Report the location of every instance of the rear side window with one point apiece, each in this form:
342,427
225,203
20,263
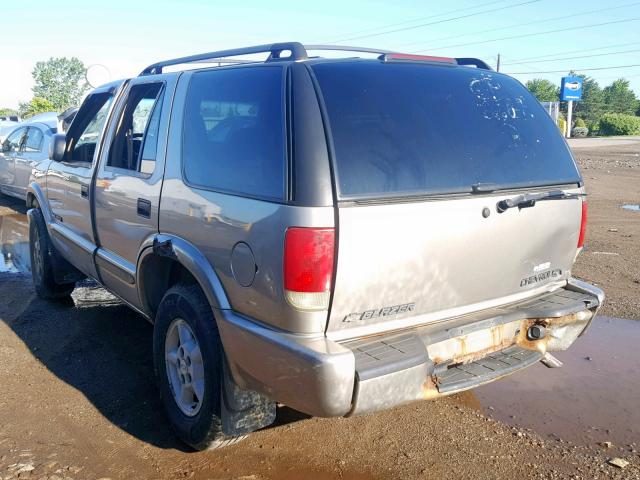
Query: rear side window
406,129
233,136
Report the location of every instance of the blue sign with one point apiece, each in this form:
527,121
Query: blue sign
571,89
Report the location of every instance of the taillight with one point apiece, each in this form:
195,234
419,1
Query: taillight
308,267
583,225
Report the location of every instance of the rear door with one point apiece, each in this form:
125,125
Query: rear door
69,181
129,180
423,154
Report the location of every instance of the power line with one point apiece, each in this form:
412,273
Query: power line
617,77
478,32
575,69
572,58
532,34
440,21
580,50
526,65
382,27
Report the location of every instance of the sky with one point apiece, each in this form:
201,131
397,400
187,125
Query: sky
121,37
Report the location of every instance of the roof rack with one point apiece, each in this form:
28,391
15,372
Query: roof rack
475,62
347,49
296,50
275,51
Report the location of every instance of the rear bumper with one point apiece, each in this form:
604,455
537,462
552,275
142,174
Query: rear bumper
321,377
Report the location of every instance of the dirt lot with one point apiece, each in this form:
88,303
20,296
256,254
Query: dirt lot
77,398
611,257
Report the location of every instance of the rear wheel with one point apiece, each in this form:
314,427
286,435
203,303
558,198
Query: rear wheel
42,269
188,364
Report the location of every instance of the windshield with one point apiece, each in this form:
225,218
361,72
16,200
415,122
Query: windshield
407,129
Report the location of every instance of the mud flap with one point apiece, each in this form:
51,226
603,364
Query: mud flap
243,411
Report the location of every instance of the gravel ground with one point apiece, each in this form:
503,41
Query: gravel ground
77,397
611,257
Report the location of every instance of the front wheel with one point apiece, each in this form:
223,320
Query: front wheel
42,266
188,364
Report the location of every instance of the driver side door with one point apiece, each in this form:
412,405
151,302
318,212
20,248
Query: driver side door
69,182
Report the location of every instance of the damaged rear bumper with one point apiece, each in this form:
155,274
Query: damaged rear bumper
325,378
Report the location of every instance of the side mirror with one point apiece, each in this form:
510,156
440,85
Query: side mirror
58,147
6,146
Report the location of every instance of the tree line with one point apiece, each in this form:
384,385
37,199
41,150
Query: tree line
616,99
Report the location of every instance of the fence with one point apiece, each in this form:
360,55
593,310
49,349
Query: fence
553,109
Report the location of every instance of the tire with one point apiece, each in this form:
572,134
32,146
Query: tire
42,266
185,321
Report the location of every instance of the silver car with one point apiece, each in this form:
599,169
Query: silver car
337,235
23,148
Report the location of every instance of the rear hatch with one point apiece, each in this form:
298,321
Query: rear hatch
423,155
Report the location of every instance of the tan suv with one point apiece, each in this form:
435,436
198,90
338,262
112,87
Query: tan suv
337,235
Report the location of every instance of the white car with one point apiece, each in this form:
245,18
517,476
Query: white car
25,146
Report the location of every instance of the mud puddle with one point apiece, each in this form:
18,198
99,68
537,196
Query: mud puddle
14,244
635,208
593,398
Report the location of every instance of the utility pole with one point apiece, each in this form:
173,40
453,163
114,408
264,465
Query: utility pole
498,64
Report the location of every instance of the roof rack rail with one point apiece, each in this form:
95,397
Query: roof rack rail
475,62
275,50
347,49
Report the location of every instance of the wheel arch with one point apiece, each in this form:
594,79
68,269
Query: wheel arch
35,195
166,260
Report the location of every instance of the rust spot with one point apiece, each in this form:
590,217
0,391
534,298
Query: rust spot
429,389
524,342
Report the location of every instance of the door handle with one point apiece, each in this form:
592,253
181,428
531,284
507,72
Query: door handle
84,191
144,208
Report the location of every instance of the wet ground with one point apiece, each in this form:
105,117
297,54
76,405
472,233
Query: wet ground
593,398
14,243
633,208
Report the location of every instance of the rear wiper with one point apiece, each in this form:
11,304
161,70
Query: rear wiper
529,199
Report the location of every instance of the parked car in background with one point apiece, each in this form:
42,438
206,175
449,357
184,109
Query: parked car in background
26,145
9,118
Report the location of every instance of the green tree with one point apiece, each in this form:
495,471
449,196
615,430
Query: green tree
592,105
35,106
544,90
61,81
8,111
619,98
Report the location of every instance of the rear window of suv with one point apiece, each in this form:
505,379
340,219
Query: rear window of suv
406,129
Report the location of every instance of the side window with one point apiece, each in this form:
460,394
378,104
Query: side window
135,142
34,140
84,133
14,142
233,132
